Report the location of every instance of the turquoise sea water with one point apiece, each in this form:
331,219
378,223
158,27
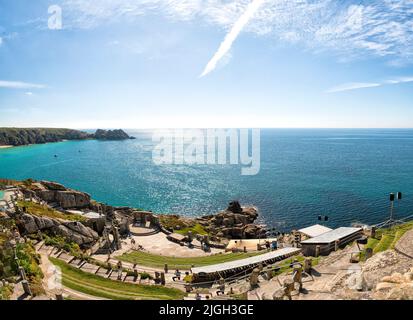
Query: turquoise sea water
345,174
1,195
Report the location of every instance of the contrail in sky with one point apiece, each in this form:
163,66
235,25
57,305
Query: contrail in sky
232,35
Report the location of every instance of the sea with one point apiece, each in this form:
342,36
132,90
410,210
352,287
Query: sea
344,174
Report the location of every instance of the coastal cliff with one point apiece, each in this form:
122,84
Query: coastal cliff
27,136
235,222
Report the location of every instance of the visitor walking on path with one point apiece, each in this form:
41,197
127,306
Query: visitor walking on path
177,275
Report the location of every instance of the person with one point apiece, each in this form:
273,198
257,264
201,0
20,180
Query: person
221,287
198,296
177,275
221,290
267,245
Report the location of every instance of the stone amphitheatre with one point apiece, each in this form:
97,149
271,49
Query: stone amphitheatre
81,249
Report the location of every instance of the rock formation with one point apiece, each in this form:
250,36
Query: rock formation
395,287
111,135
234,223
25,136
235,207
57,193
71,230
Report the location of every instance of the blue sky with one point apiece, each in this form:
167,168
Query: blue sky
138,63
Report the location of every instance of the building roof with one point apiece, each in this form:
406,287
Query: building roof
282,254
315,230
333,235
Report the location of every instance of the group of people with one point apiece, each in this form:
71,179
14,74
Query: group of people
271,245
178,274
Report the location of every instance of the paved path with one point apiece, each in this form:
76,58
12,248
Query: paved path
321,285
158,244
47,282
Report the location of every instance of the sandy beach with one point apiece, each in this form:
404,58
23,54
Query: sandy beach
5,147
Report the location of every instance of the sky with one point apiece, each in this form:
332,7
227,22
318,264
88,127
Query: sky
206,63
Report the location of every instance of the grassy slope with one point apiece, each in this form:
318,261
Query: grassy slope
156,261
181,225
285,264
196,229
42,211
387,238
90,284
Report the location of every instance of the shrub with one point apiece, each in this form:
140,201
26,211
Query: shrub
145,275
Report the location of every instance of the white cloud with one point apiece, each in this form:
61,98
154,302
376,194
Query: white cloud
1,41
350,28
29,93
20,85
363,85
226,45
353,86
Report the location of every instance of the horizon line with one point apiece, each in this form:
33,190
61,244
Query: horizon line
204,128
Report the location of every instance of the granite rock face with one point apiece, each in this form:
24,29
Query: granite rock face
234,223
235,207
71,230
55,192
77,232
395,287
72,199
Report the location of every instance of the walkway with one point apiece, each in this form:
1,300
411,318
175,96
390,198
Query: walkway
327,276
48,280
158,244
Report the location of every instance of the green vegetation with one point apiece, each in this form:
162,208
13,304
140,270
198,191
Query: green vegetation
27,258
145,275
181,225
386,238
61,242
5,292
21,136
44,211
241,296
90,284
172,222
196,229
157,261
285,264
